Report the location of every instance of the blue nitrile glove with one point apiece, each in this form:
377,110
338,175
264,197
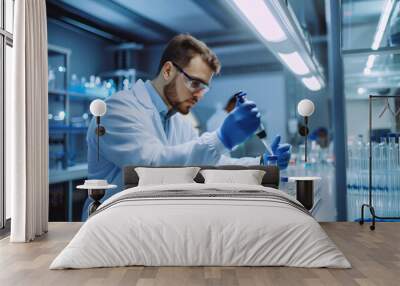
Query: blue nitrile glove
283,151
240,124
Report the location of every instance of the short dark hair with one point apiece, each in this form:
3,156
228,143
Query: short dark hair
183,47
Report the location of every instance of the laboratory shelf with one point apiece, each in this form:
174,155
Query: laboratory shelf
361,97
354,98
85,96
383,78
78,171
76,95
57,92
67,129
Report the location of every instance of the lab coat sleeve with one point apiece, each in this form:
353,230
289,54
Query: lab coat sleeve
244,161
129,140
226,160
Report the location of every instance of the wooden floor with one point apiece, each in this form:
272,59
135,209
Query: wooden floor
374,255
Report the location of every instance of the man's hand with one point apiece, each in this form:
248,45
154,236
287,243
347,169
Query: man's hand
239,124
282,151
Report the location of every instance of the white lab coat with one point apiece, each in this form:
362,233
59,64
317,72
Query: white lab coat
216,119
135,136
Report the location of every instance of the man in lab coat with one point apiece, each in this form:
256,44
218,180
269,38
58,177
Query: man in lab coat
145,126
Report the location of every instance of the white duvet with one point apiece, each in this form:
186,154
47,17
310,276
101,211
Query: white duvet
200,231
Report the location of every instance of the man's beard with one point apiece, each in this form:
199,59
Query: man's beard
172,96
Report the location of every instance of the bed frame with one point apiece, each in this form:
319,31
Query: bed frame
270,179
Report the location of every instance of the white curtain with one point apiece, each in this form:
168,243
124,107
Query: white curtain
27,124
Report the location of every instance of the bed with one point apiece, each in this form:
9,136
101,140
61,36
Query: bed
198,224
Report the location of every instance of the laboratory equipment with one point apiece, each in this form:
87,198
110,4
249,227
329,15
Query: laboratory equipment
387,197
271,160
126,84
260,131
60,75
51,79
262,135
282,151
109,86
76,85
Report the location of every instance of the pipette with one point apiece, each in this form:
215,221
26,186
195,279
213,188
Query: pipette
262,135
260,132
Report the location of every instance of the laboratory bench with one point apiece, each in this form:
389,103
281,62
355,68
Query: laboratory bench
65,201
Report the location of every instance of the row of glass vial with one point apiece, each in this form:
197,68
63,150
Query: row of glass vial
385,177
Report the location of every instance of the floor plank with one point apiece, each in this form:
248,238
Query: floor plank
374,255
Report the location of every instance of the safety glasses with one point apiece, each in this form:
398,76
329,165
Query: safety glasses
193,84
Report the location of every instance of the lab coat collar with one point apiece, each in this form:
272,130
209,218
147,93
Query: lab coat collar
156,98
144,98
142,95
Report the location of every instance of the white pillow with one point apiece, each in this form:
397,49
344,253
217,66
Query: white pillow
249,177
165,176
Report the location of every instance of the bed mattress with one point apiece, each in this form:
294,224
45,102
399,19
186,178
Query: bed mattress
201,225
